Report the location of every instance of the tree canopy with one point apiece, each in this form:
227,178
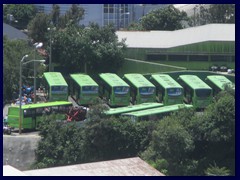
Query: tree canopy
169,18
185,143
94,49
23,13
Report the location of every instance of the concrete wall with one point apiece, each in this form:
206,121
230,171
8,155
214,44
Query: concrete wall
19,150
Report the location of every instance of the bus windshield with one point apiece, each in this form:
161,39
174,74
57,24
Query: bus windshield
89,89
121,90
203,93
174,92
57,89
146,90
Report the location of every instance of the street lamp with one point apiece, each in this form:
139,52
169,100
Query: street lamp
50,57
37,46
120,18
20,89
20,94
143,12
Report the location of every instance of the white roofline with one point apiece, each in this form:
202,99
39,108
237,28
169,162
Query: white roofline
169,39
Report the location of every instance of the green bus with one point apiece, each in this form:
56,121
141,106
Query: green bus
83,89
196,92
32,113
142,90
218,83
138,107
56,86
114,89
155,113
168,91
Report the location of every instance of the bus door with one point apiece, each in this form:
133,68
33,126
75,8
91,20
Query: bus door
29,119
188,95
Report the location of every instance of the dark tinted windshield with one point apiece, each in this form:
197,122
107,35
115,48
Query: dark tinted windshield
90,89
174,91
121,90
146,90
203,92
59,89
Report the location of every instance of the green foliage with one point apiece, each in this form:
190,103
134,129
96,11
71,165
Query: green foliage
135,27
55,14
214,170
222,13
184,143
71,17
100,138
23,13
215,13
38,27
168,18
60,145
11,64
97,48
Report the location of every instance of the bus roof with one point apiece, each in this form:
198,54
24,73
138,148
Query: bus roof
138,80
137,107
166,81
83,80
40,105
158,110
220,81
194,82
113,80
55,79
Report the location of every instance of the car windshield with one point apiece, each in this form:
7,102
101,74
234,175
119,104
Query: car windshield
121,90
202,93
146,90
90,89
174,91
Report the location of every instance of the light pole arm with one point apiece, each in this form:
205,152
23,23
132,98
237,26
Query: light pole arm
42,60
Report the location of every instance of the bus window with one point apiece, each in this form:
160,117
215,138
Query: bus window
39,111
174,92
121,90
203,93
29,113
146,90
59,89
90,90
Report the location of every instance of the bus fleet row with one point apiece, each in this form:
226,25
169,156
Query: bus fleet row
152,98
135,88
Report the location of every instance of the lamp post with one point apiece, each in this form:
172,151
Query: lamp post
20,94
143,12
20,89
37,46
120,18
50,57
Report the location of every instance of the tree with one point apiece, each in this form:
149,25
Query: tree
23,13
11,63
75,13
71,17
55,14
168,18
100,138
95,48
213,13
38,27
170,148
222,13
61,144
